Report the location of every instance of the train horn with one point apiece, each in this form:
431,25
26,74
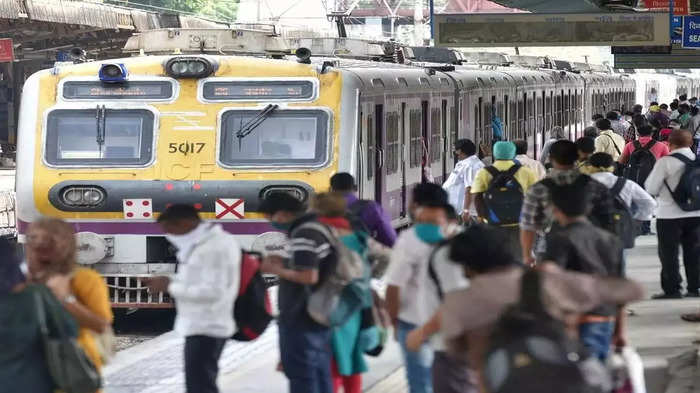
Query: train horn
303,55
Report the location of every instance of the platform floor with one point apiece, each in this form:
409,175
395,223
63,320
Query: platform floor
155,366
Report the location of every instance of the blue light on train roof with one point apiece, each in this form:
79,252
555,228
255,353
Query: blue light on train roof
113,73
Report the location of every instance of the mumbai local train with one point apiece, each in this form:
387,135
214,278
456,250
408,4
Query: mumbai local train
108,145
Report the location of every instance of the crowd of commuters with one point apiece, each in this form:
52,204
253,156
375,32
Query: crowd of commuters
557,225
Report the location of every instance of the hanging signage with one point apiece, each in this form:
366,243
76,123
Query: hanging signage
7,54
600,29
680,7
691,32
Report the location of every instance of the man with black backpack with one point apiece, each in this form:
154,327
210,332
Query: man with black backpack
496,316
632,203
675,181
369,213
536,217
499,190
638,159
577,245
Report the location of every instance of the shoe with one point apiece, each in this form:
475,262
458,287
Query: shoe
665,296
692,294
691,317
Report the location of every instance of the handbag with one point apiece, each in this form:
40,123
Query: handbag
69,367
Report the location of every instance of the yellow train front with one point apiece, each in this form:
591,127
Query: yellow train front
109,145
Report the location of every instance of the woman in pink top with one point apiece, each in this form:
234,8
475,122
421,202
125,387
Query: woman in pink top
658,149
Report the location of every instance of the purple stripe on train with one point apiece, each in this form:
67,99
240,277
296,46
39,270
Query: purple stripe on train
152,228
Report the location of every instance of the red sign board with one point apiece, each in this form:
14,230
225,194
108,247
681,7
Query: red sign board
6,50
680,7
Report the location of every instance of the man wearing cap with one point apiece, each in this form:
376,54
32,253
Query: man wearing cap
504,156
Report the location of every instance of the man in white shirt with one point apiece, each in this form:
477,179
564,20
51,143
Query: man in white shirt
608,141
408,299
522,157
460,181
674,226
204,288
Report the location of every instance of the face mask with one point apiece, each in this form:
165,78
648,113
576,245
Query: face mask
429,233
284,227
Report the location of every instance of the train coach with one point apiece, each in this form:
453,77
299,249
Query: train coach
109,145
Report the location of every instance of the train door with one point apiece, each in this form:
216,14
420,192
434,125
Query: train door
425,160
379,144
445,146
402,162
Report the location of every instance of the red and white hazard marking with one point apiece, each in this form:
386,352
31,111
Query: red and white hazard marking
230,209
138,209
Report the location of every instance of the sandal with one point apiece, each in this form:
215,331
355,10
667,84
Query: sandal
691,317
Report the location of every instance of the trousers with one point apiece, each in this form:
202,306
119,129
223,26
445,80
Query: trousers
674,234
202,355
306,358
418,364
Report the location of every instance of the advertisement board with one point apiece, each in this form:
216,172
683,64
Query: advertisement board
598,29
7,54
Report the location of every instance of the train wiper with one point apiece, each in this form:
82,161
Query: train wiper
101,117
254,123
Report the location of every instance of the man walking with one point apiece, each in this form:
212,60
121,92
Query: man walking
675,227
407,299
499,191
370,213
304,344
608,141
459,183
204,288
537,207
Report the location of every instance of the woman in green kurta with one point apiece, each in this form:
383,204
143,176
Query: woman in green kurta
348,341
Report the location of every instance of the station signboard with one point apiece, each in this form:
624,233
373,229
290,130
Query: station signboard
691,32
7,54
598,29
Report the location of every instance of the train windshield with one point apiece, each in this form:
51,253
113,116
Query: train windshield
100,137
281,138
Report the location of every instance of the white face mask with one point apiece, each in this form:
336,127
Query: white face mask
189,239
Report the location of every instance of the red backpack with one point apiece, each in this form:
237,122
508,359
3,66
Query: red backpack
252,309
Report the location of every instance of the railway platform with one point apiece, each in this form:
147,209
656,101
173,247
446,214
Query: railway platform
155,366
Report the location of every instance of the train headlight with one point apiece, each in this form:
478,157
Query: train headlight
83,196
113,73
189,67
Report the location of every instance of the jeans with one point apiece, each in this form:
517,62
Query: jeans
202,363
672,234
418,364
597,338
306,358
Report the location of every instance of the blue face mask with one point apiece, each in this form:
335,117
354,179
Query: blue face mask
284,227
429,233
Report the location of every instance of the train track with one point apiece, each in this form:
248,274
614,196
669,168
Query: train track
134,328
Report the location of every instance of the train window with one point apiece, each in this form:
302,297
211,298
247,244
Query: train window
402,81
481,81
371,147
392,142
120,137
250,90
521,117
435,145
377,82
134,90
487,120
444,82
548,112
424,81
416,142
283,138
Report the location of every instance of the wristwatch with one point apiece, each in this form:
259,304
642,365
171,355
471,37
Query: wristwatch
69,299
